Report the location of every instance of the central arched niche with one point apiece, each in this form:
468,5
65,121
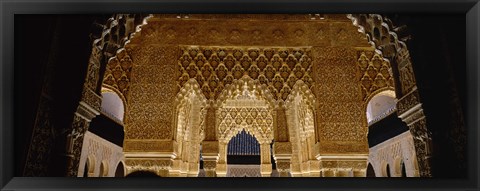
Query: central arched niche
245,105
243,154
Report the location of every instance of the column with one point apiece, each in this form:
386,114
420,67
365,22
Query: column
221,169
210,146
265,158
410,111
282,148
210,154
282,153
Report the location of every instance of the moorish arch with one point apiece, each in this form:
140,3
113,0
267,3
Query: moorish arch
300,114
147,90
190,103
245,105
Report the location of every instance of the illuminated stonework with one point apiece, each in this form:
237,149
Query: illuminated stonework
195,81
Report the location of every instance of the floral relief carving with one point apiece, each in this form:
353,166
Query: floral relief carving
153,92
375,73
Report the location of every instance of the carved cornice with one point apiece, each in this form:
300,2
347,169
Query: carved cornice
261,31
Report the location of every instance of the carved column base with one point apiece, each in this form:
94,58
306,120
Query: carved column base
266,170
305,166
210,166
210,154
193,169
175,171
283,167
314,168
221,170
282,153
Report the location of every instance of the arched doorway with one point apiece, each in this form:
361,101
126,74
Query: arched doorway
370,170
243,156
120,170
246,106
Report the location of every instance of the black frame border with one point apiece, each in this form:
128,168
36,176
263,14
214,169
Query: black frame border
8,8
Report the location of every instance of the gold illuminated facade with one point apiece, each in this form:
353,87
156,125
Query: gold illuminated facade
189,83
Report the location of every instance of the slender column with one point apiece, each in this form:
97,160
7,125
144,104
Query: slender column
210,146
221,169
210,154
265,158
193,161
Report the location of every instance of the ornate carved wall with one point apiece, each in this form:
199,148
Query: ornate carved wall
390,41
100,151
332,59
395,151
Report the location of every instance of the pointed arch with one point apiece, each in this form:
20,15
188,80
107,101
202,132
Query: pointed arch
189,102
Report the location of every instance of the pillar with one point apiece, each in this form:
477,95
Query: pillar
282,148
282,153
265,158
410,111
221,168
210,145
210,154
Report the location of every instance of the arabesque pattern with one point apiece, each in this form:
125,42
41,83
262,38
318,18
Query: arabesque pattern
215,67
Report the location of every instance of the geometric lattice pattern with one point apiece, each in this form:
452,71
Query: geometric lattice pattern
375,73
258,121
215,67
117,73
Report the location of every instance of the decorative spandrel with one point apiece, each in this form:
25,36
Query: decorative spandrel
375,73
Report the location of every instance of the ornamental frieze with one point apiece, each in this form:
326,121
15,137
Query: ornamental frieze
226,32
149,145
